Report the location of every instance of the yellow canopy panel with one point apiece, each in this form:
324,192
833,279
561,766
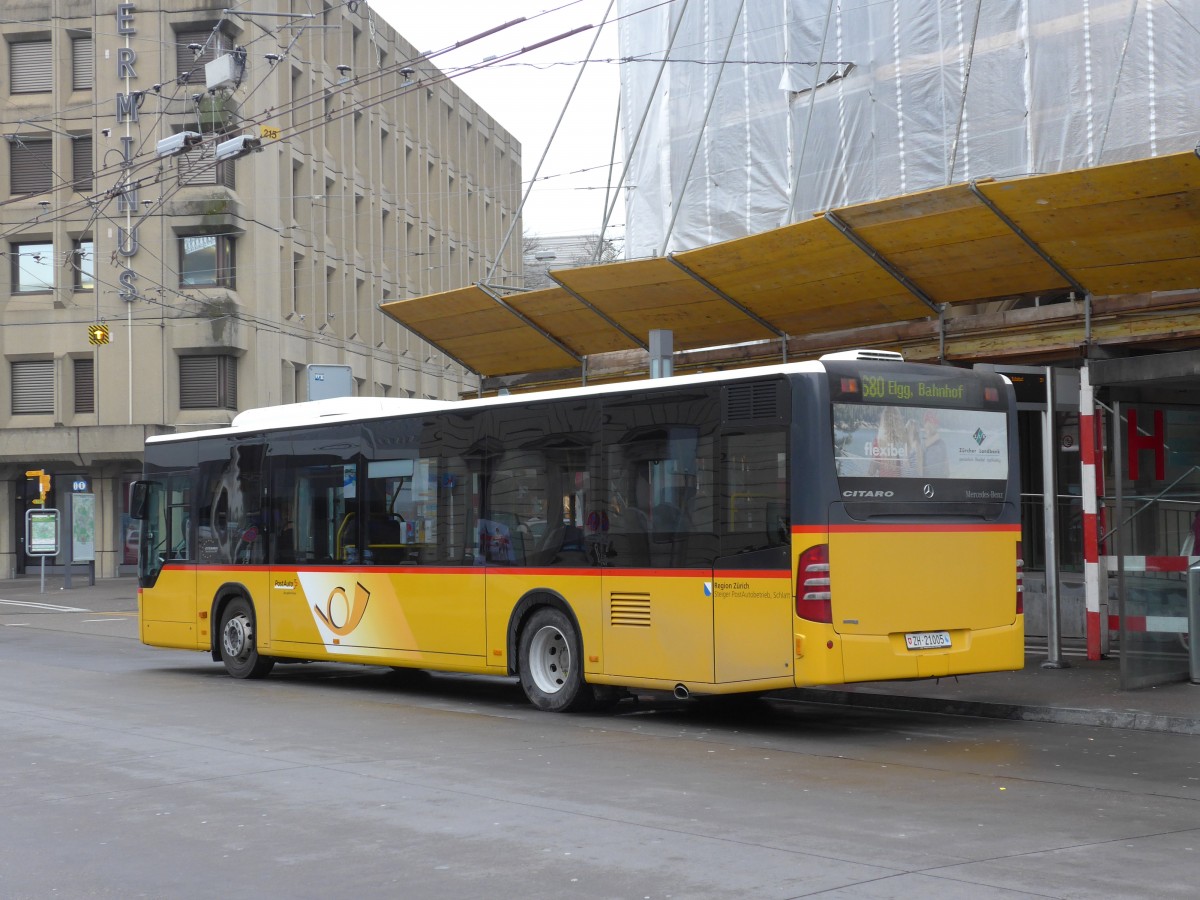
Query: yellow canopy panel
643,294
952,246
574,323
1126,228
1130,227
805,279
470,326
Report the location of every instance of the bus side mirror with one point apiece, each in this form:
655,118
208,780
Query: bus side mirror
139,501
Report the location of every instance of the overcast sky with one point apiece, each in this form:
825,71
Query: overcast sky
527,94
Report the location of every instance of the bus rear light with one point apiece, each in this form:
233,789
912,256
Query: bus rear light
813,598
1020,581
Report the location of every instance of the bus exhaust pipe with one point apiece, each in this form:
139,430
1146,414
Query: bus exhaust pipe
681,692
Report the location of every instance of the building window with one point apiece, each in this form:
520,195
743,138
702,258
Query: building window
82,66
31,69
84,265
31,165
194,50
81,163
33,387
85,385
207,260
207,382
32,268
199,166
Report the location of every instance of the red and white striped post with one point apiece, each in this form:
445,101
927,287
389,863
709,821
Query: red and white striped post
1095,582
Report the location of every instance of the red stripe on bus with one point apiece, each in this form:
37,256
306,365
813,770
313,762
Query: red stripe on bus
515,571
753,573
867,529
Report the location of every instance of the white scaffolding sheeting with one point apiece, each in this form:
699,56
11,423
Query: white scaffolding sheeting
824,103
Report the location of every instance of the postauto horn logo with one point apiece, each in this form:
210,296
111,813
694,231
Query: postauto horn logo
340,614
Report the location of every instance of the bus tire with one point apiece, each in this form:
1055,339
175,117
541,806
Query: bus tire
550,663
239,648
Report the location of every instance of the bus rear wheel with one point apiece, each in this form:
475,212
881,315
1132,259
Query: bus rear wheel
239,648
551,663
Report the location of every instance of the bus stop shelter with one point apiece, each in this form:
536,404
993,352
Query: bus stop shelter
1077,269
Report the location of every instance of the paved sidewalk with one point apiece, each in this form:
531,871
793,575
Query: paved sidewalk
1085,693
106,590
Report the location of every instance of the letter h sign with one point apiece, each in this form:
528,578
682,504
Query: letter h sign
1156,442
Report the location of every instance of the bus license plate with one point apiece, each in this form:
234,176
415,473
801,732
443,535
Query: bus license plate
926,640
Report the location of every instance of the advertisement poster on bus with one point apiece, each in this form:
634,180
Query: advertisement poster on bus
942,454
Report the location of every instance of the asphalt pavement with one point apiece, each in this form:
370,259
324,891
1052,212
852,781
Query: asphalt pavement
1085,692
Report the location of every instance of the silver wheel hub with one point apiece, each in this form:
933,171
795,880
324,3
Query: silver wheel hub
235,639
549,659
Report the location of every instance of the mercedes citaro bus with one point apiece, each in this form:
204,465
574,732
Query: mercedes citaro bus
850,519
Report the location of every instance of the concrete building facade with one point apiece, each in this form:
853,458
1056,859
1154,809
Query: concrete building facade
324,167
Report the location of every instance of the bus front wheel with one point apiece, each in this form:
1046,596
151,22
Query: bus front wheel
551,663
239,648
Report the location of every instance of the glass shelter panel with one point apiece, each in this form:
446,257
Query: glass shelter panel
1157,532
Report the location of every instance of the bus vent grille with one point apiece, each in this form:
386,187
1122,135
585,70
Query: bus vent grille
632,610
756,400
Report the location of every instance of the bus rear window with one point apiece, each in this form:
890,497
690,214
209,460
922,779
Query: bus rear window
900,452
919,442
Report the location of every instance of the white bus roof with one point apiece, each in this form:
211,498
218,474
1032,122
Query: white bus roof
354,409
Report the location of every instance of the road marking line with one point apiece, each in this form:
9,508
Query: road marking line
50,606
121,619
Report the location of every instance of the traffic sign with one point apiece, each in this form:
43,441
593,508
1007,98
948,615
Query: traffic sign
98,333
43,484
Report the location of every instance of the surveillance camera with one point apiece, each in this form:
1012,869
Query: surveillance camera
343,68
106,131
272,57
407,72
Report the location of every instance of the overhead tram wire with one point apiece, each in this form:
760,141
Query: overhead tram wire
92,202
369,103
315,96
525,195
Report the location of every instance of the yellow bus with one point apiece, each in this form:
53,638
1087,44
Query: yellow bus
849,519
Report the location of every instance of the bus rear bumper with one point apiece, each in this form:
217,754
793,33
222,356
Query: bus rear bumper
858,658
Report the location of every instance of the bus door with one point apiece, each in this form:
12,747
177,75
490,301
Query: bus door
752,582
167,562
384,557
660,535
542,528
312,537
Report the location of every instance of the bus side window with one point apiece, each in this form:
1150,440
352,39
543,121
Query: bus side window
756,492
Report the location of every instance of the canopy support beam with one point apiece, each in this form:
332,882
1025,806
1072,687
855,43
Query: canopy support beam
883,262
1046,257
1029,242
440,349
709,286
532,324
634,339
